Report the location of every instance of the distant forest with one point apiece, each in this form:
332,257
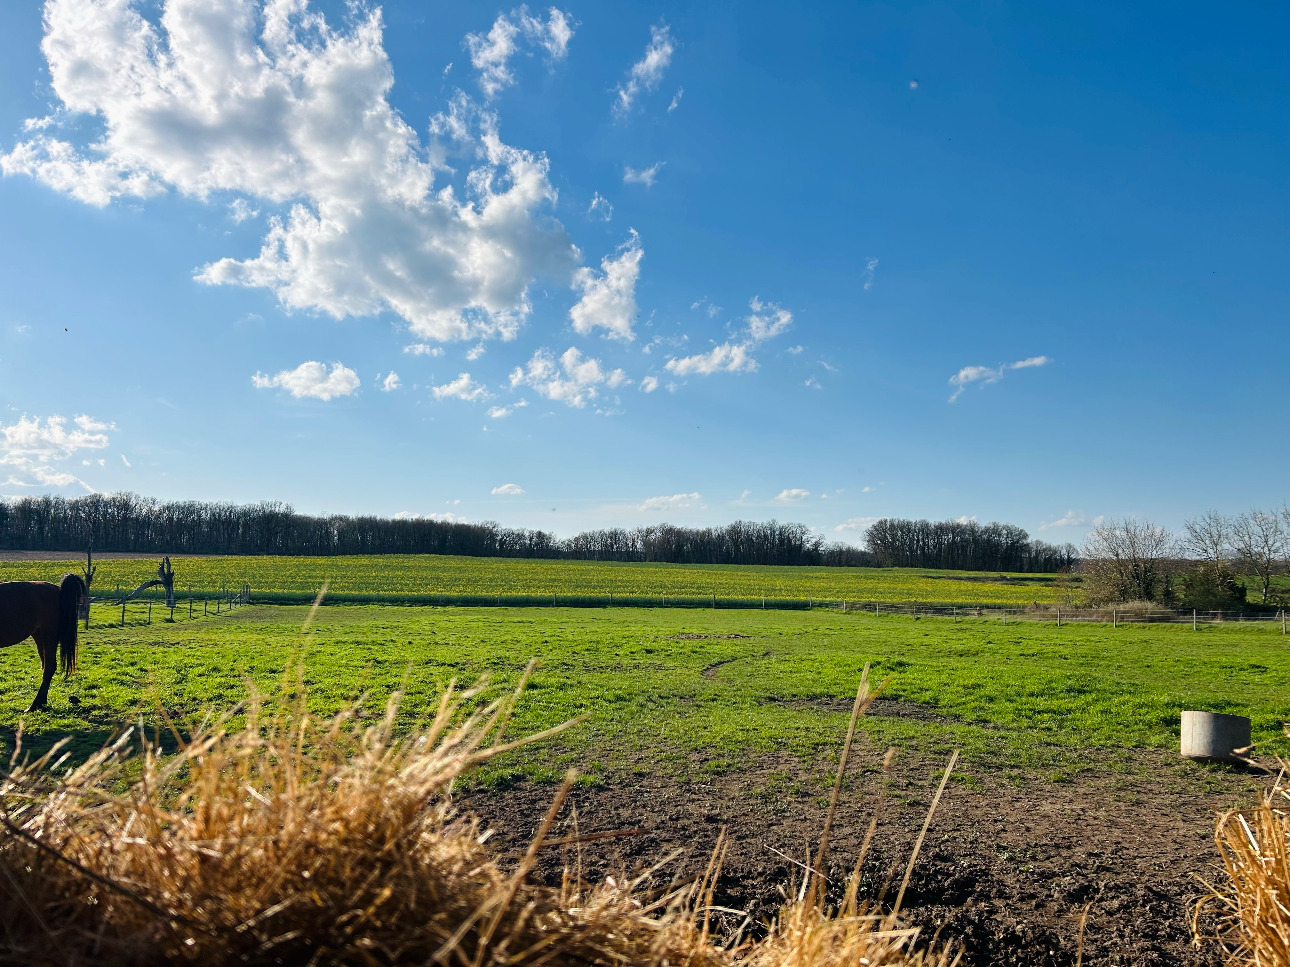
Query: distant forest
129,523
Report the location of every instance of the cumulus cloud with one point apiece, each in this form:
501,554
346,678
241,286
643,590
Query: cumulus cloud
269,102
391,382
792,496
421,349
986,374
609,298
575,380
311,379
241,210
725,358
642,176
646,73
765,321
649,384
600,208
31,449
490,53
672,502
508,490
461,388
476,351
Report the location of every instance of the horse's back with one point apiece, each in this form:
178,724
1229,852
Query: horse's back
26,606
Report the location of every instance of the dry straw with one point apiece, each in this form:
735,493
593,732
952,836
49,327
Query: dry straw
279,838
1252,906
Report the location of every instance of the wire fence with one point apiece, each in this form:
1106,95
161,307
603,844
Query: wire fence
192,604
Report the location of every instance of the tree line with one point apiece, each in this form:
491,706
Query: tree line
129,523
964,546
1205,567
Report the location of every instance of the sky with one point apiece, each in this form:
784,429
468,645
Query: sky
617,264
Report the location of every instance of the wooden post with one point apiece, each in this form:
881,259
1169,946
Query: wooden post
1193,619
1005,615
190,606
1283,621
714,601
1059,617
204,606
763,602
149,612
122,614
956,615
1115,621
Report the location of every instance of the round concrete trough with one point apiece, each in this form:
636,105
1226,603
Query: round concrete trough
1213,737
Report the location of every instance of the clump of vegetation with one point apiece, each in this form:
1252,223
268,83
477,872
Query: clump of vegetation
294,839
1253,905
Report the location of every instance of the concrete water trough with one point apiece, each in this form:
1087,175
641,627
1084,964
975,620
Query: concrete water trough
1214,737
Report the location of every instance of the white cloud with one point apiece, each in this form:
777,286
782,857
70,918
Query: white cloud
476,351
856,524
461,388
272,103
985,374
1068,519
673,502
490,53
649,384
123,460
421,349
446,516
648,71
795,350
600,208
312,379
609,299
813,383
575,381
391,382
642,176
766,320
240,211
870,267
31,450
792,496
508,490
707,306
676,100
725,358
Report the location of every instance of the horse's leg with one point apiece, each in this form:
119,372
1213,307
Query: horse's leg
47,647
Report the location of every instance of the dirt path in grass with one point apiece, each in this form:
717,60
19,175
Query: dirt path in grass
1006,870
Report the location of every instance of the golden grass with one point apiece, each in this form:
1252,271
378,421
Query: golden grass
1253,905
287,839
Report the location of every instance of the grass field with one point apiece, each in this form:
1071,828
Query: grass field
685,690
437,574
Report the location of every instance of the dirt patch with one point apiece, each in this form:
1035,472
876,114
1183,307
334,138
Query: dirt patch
1006,871
711,671
692,636
882,708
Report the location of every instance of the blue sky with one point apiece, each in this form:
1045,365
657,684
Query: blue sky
640,262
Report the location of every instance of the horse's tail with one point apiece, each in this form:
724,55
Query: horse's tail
70,592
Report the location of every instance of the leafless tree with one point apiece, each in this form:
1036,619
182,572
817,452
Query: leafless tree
1128,560
1261,541
1209,538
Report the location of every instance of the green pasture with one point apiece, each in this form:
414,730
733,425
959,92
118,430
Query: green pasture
1025,699
428,574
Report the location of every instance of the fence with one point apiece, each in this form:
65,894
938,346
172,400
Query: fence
200,604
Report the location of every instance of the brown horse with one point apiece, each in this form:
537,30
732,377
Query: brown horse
46,612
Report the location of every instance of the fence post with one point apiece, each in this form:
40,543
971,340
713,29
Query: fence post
1114,619
149,612
1193,619
1005,615
714,601
875,609
763,602
956,615
1059,617
1283,621
123,614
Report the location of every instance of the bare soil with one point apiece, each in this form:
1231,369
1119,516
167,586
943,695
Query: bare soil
1006,870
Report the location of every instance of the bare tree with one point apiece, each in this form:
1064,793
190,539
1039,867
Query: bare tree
1209,538
1261,541
1128,560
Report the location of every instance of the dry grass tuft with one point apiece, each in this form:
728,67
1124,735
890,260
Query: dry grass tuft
294,840
1253,906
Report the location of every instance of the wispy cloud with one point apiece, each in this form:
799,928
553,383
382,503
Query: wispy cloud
671,502
870,267
676,100
422,349
986,374
765,321
646,73
1069,519
792,496
642,176
312,379
856,524
491,53
600,208
508,490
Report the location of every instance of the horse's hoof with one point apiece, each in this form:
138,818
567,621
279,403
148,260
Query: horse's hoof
35,706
